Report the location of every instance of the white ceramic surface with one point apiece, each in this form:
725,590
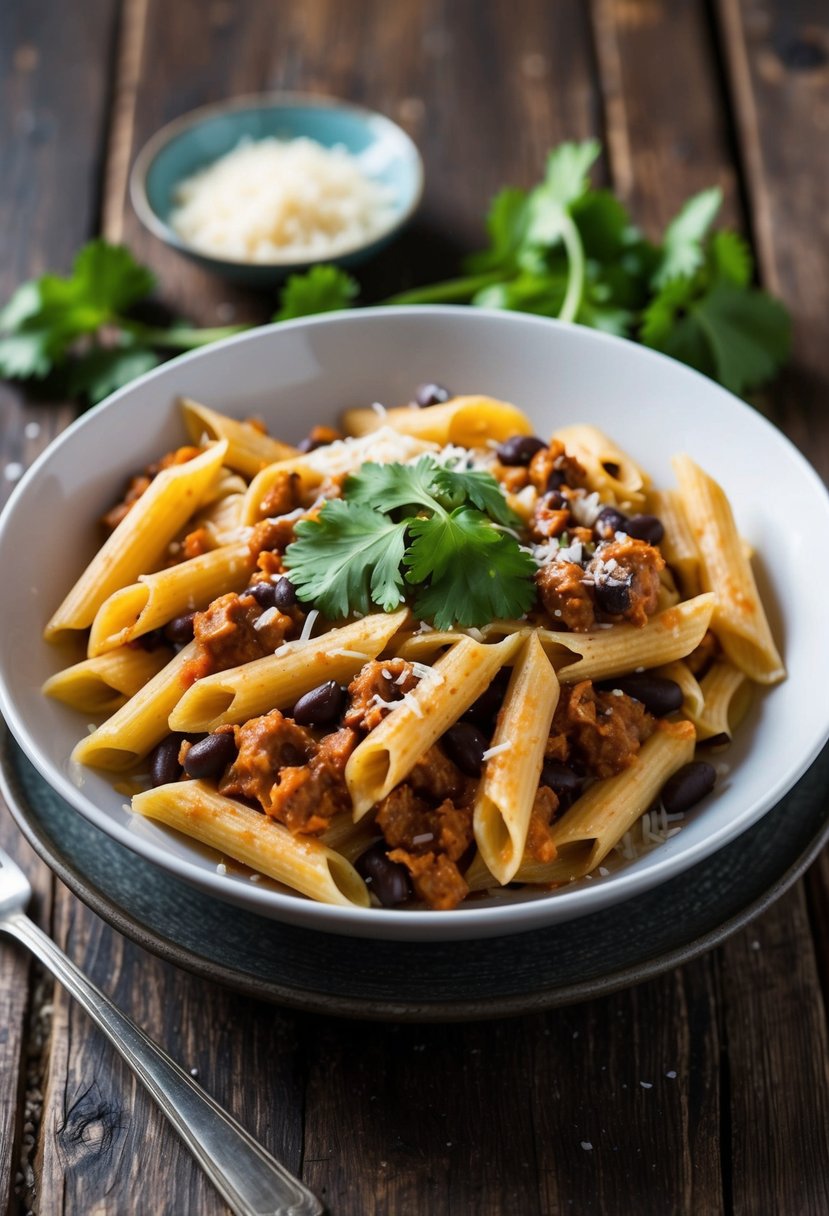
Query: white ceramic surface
305,371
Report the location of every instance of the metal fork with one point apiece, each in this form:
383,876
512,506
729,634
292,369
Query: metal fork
249,1179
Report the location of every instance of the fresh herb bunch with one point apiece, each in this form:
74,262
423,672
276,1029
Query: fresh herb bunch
561,250
444,533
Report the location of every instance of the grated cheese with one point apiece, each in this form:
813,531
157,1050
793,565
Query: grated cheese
307,628
262,621
413,705
497,749
270,199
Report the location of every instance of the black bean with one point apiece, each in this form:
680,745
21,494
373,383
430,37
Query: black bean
310,445
659,695
688,786
562,781
320,706
608,522
264,594
484,711
388,880
519,449
211,755
612,597
555,481
465,745
645,527
284,594
151,640
431,394
179,630
555,501
164,765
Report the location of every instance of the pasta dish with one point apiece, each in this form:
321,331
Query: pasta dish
417,660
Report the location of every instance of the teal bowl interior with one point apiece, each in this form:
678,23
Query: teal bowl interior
384,151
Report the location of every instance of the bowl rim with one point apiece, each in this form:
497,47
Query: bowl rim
190,120
470,921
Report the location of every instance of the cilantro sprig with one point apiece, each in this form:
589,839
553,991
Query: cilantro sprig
422,531
562,249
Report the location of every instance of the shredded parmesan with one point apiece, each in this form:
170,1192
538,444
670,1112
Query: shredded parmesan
265,618
343,652
270,199
310,622
497,749
413,705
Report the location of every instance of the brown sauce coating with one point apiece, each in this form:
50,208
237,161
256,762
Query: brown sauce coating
599,733
365,711
565,596
635,562
226,635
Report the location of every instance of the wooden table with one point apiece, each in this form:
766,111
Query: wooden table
546,1113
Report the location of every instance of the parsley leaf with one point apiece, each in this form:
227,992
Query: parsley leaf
387,487
347,557
455,485
321,289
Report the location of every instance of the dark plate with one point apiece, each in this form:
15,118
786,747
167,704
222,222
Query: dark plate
421,981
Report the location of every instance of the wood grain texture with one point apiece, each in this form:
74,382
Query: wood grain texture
51,122
105,1148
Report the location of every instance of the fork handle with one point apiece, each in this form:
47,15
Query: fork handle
251,1181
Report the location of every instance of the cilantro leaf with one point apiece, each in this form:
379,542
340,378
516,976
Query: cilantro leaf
567,170
731,258
347,557
107,278
682,251
25,355
747,332
103,370
320,289
506,224
386,487
456,485
476,574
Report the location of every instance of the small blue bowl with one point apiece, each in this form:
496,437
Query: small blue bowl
190,143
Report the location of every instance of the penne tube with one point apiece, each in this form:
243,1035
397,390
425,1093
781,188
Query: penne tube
133,730
739,619
277,681
621,649
103,684
727,694
681,674
350,838
138,543
390,751
597,821
678,546
422,647
248,449
255,504
619,480
509,782
466,421
301,863
158,598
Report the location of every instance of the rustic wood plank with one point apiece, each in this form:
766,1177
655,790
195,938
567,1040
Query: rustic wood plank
777,54
51,121
101,1130
778,1065
666,131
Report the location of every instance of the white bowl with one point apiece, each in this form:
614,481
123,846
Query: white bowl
307,371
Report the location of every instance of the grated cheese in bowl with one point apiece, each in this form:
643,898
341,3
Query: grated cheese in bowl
272,200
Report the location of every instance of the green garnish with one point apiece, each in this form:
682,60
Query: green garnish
560,250
432,530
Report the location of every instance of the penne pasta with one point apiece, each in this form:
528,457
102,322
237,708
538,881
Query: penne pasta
464,421
727,695
138,543
103,684
616,477
678,545
302,863
248,448
506,793
389,752
278,680
133,730
157,598
739,619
